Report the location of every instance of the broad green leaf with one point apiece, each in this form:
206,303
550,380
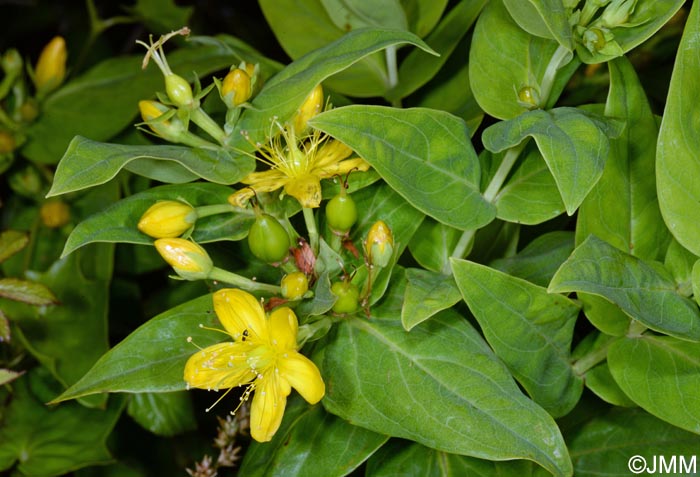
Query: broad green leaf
152,358
540,259
423,15
409,459
162,16
530,196
634,223
117,223
427,293
600,381
646,19
322,301
32,293
680,263
286,91
544,18
88,163
604,315
439,385
662,375
11,242
353,14
433,244
44,441
311,442
505,59
424,155
164,414
605,445
696,281
418,68
528,328
104,100
644,291
677,156
574,144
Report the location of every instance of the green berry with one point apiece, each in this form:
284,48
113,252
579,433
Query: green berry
348,297
341,213
268,240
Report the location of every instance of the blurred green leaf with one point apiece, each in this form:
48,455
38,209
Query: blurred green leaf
424,155
427,293
162,16
350,15
644,291
8,375
11,242
677,165
164,414
528,328
32,293
423,15
444,362
662,375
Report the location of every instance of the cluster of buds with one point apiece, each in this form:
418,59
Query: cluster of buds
594,27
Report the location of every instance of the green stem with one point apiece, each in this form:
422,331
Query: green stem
207,210
231,278
311,228
192,140
560,58
503,170
336,242
393,73
204,121
591,359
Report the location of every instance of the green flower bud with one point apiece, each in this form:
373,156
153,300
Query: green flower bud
189,260
167,219
268,240
294,285
348,297
341,213
594,39
379,246
617,13
12,63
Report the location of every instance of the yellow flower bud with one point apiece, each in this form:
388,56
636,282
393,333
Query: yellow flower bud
167,219
249,68
294,285
236,88
379,246
7,142
151,111
51,68
54,214
312,105
189,260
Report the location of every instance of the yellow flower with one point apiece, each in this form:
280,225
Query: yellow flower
298,165
263,356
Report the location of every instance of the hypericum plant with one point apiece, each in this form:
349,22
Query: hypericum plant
432,309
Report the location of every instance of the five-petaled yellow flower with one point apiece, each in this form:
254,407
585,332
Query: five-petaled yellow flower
298,165
263,356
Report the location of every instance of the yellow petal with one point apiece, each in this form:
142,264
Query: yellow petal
283,329
267,408
270,180
306,189
220,366
303,375
241,314
343,167
331,152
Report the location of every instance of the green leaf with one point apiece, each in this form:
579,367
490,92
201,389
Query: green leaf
453,394
5,333
601,382
287,90
7,375
662,375
604,315
646,19
677,163
604,445
696,281
117,223
353,14
87,163
528,328
530,196
152,358
104,100
645,292
45,441
540,259
427,293
311,442
164,414
32,293
433,244
574,144
162,16
423,15
504,59
680,263
634,225
418,68
543,18
11,242
424,155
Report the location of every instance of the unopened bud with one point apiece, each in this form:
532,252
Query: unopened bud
12,63
7,142
151,111
54,214
617,13
236,88
312,105
179,90
529,97
50,70
167,219
294,285
189,260
379,246
594,39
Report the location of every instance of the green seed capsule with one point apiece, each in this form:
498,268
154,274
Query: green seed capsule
268,240
341,213
178,89
348,297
